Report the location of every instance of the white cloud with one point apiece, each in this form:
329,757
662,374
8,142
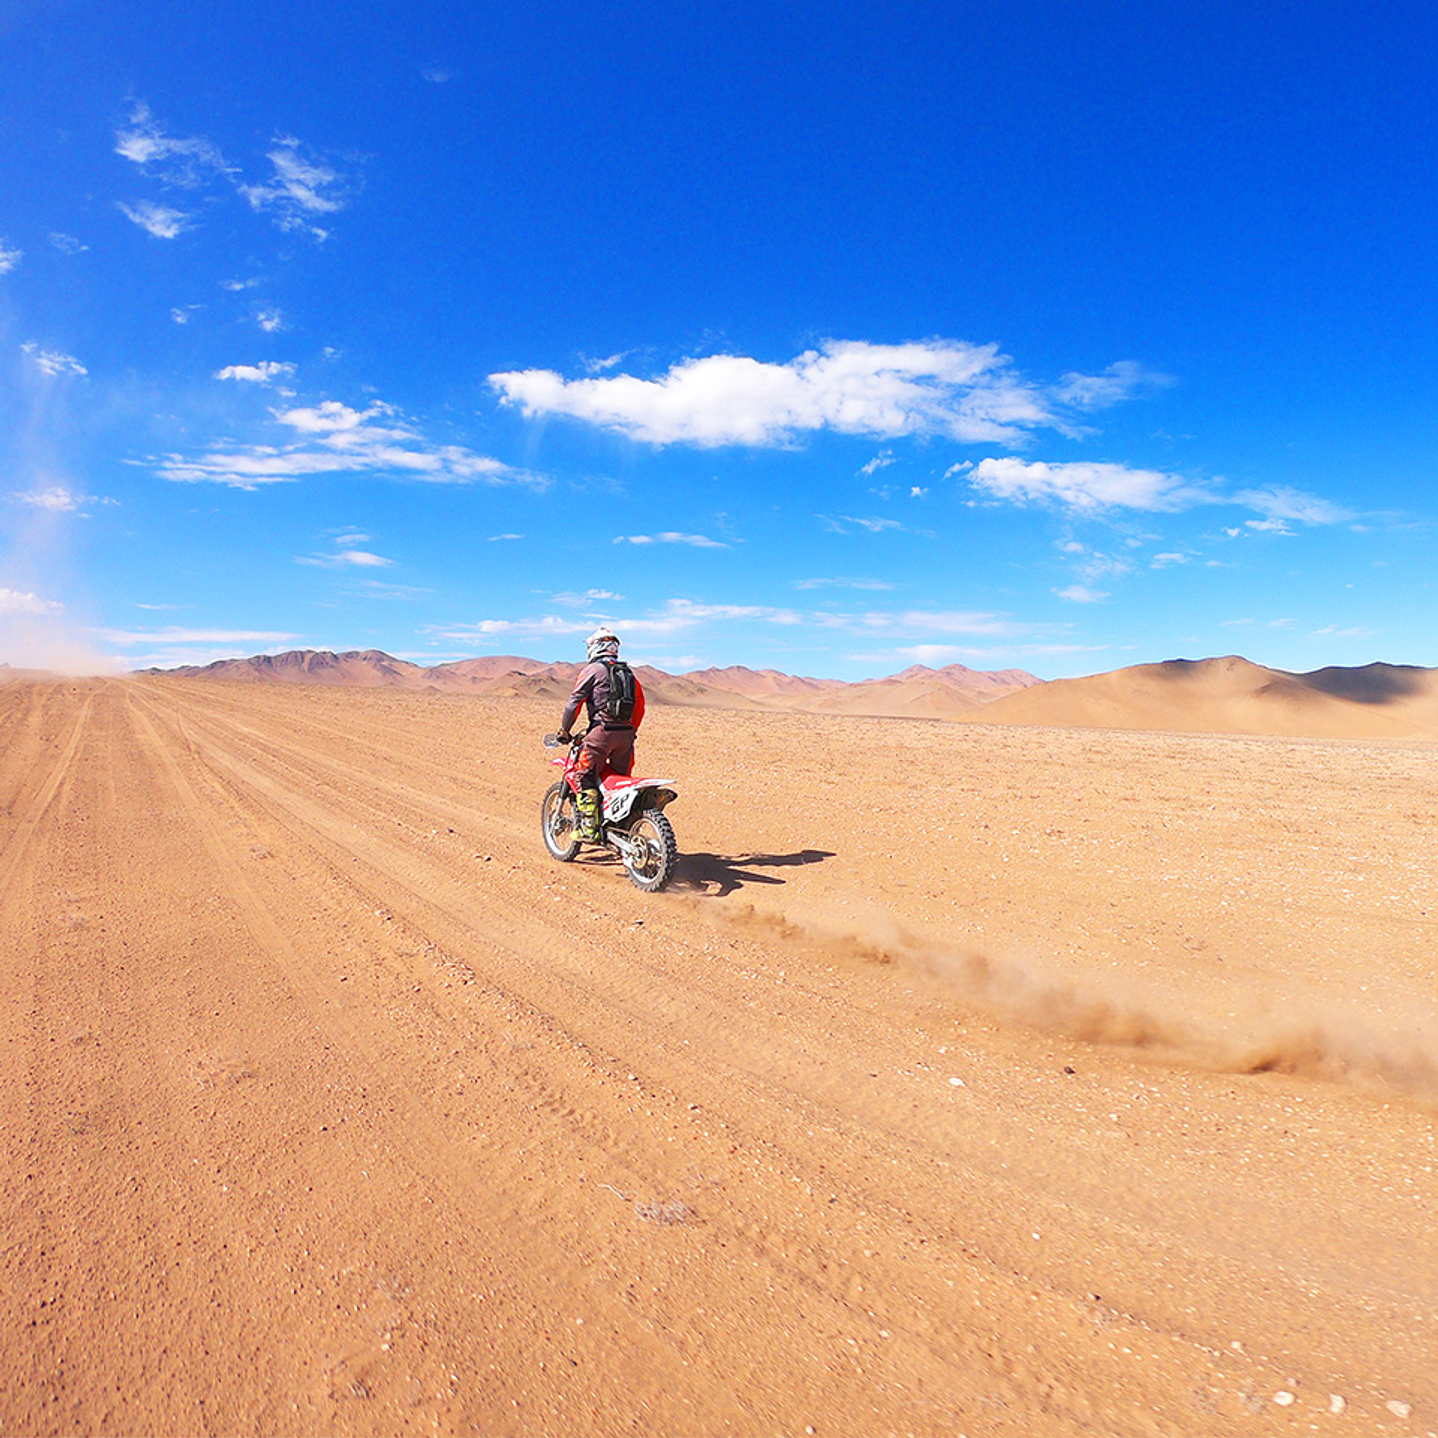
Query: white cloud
1165,561
20,601
9,257
270,320
436,75
302,187
839,523
695,541
674,617
498,538
1279,503
236,287
126,638
262,373
56,498
67,244
599,366
346,559
926,621
882,460
1119,382
590,596
187,162
1081,594
1085,485
1334,631
54,362
939,387
840,583
163,221
1095,565
332,438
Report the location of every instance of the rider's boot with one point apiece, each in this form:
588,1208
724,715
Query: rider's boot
586,804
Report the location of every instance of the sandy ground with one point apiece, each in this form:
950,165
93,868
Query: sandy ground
970,1081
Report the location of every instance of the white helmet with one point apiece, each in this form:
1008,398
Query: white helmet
604,642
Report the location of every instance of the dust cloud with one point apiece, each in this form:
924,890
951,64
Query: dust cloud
1311,1037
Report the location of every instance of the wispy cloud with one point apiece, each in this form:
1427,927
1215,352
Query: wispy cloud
1081,594
1118,383
346,559
695,541
10,256
55,498
67,244
938,387
1279,505
933,621
127,638
1082,485
846,523
186,161
303,187
270,320
589,597
843,583
675,616
54,362
163,221
266,372
332,438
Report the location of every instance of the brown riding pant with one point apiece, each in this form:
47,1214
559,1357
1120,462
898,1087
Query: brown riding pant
605,751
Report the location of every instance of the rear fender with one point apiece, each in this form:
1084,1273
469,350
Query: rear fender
628,796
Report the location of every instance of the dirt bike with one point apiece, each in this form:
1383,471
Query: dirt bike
632,823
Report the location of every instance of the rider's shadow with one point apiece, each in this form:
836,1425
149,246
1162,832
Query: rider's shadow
716,875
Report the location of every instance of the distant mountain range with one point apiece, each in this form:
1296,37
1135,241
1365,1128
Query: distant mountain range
918,692
1227,695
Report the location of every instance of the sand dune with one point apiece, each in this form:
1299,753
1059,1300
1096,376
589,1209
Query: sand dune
1030,1082
1233,696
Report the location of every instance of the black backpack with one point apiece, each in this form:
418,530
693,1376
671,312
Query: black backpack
620,707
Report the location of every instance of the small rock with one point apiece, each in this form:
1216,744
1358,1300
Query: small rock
1335,1403
1284,1400
957,1082
1398,1408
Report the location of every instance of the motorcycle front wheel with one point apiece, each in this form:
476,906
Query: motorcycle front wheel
654,867
557,822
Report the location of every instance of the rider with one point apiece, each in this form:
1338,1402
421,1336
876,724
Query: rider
609,740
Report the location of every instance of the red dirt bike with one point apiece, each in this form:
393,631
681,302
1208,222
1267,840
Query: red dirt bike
632,823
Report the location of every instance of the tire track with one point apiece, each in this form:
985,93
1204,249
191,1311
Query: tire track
416,1130
32,810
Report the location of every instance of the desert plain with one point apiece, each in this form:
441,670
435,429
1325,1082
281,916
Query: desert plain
970,1079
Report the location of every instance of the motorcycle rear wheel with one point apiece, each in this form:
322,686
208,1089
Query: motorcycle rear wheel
558,822
655,868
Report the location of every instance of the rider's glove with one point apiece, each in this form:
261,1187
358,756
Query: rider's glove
564,738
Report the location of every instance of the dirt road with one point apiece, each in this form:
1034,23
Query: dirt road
975,1081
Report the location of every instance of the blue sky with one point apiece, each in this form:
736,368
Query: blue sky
822,338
